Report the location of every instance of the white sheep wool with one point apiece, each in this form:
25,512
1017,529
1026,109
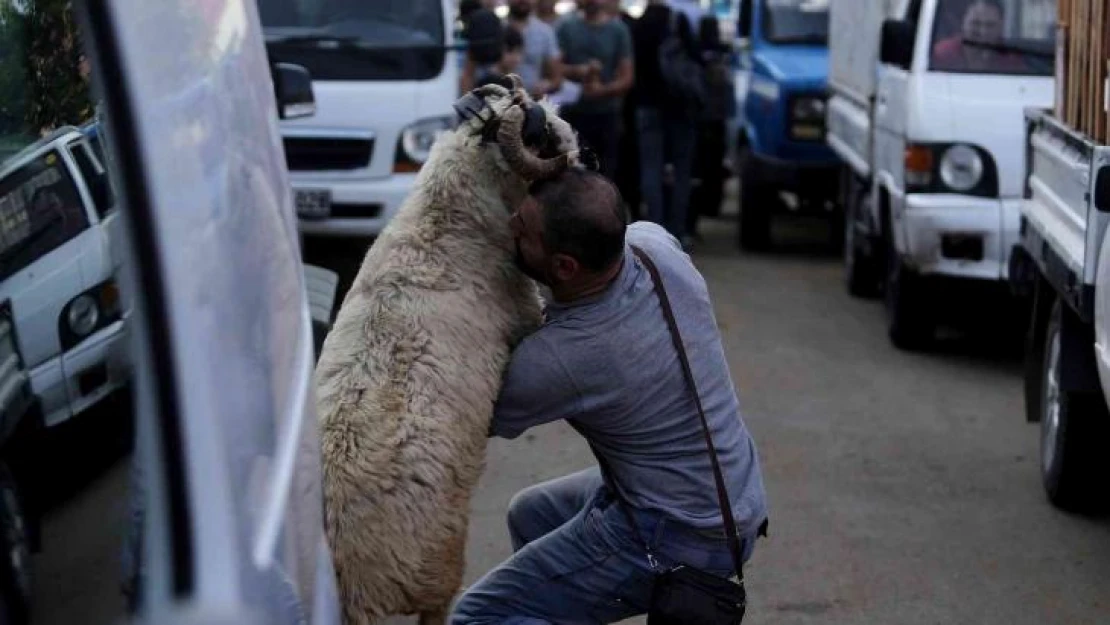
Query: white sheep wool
408,376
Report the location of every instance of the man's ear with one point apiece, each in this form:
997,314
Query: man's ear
565,267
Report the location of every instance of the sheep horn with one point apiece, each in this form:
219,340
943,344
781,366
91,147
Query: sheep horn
518,84
520,159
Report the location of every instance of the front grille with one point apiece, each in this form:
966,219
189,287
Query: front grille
339,209
327,153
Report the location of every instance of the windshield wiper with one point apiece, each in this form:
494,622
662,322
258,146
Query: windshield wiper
814,38
319,40
1009,46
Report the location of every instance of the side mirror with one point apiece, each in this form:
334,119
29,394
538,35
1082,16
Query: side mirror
897,43
744,21
293,90
1102,190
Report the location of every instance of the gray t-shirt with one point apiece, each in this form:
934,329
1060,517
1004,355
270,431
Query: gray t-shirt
540,45
609,365
609,42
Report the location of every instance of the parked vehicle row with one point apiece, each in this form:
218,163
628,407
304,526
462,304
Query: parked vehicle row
958,176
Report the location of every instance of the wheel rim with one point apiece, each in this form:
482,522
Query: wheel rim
1050,411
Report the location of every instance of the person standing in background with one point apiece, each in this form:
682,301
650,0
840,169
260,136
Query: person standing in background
484,30
667,129
628,162
709,171
541,68
545,12
597,52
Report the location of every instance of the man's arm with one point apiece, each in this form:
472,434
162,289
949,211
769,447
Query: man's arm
537,389
552,70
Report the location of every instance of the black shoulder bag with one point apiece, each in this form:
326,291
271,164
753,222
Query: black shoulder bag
684,595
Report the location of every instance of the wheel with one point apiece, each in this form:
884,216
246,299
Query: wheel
755,209
909,320
1073,427
15,573
861,272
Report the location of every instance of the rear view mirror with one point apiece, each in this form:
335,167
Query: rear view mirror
293,90
897,43
1102,190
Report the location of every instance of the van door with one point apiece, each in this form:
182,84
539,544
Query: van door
892,106
228,498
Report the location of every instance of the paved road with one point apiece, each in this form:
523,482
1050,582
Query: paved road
904,487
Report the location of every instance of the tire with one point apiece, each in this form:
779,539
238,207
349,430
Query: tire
861,272
1073,427
910,323
15,571
756,203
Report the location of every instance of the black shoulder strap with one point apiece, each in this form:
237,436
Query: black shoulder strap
731,535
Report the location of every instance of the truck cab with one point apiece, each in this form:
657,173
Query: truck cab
931,135
384,77
782,84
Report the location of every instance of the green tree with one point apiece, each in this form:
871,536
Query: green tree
57,86
13,72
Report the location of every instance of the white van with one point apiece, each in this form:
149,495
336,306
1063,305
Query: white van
58,268
933,137
385,74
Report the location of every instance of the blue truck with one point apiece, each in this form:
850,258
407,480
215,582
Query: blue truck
782,78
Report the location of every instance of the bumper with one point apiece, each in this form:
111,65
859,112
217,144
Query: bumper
360,208
960,236
69,384
812,179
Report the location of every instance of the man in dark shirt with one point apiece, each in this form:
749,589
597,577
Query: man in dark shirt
597,52
667,130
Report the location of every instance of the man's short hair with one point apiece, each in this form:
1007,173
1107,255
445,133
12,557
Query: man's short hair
583,217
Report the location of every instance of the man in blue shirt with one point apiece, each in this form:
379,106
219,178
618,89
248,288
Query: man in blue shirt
604,360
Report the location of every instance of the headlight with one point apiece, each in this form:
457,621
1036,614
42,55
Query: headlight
83,315
961,168
808,110
417,139
90,311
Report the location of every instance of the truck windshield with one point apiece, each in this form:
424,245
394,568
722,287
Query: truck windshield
994,37
796,21
40,209
357,39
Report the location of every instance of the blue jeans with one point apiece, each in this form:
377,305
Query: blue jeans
666,138
576,559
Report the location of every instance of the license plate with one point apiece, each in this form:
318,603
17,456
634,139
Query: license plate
313,203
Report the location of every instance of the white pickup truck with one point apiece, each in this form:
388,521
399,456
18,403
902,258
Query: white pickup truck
926,113
1064,258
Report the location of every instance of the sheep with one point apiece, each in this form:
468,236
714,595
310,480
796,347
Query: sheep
408,376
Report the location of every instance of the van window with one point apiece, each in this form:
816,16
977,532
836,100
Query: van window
96,178
994,37
796,21
356,39
40,210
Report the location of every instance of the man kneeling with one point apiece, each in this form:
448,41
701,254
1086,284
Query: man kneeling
604,360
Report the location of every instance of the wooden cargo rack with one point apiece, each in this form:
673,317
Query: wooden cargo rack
1083,66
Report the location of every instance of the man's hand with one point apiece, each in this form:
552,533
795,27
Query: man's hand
593,89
